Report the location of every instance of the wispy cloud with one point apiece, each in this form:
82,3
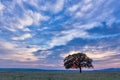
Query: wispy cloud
1,7
58,6
39,31
23,19
17,52
23,37
78,31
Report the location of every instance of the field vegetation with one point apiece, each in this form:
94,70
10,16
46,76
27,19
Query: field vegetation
59,76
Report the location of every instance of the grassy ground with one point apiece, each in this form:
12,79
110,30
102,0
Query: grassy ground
59,76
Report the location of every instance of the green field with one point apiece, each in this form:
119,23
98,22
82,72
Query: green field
59,76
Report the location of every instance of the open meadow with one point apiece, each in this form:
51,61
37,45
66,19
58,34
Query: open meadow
59,76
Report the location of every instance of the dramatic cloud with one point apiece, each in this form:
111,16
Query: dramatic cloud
42,32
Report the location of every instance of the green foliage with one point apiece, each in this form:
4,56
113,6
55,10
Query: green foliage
78,60
59,76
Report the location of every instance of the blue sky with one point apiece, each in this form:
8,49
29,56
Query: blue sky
40,33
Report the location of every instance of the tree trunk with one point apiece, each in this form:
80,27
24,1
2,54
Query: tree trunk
80,69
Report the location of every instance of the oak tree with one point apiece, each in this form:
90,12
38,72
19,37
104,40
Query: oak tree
78,61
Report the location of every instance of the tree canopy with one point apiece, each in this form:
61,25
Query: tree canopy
78,61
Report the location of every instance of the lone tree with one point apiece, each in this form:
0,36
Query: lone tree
78,61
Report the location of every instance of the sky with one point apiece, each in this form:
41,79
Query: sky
41,33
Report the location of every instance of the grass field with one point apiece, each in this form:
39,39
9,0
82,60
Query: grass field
59,76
